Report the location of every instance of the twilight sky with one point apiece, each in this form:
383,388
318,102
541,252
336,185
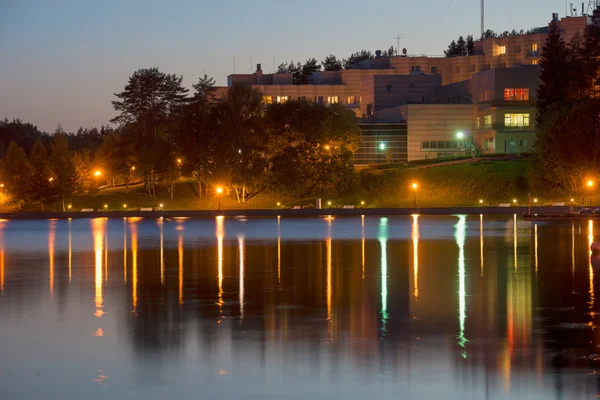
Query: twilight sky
62,60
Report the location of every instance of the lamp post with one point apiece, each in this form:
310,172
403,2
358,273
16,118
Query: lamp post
97,175
415,186
590,185
219,191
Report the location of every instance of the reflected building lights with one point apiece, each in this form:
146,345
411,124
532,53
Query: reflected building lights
481,268
134,270
220,232
70,251
383,237
329,273
535,245
591,273
279,250
98,227
162,249
573,256
106,253
515,240
363,244
125,250
459,235
415,240
242,261
2,261
51,239
180,267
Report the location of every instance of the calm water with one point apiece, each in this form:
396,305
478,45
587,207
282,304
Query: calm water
456,307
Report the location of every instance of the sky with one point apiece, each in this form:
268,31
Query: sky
61,61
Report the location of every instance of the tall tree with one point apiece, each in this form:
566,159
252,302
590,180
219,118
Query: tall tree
148,102
452,50
40,181
63,170
310,67
470,45
553,72
17,173
331,63
357,57
461,46
295,69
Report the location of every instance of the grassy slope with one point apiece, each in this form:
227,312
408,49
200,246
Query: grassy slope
457,185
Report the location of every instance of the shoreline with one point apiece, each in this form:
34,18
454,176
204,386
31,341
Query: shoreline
519,210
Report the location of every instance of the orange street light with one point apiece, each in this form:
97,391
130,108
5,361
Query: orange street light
590,183
415,186
327,147
124,205
161,205
50,179
105,206
179,161
480,201
69,206
1,185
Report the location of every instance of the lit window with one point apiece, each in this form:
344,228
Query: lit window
478,123
282,99
333,99
516,94
534,47
516,120
352,99
534,62
487,121
268,99
502,50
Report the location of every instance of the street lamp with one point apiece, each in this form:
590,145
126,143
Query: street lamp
219,191
590,185
514,201
161,206
381,146
415,186
105,206
179,161
278,204
50,179
327,147
460,135
480,201
97,175
124,206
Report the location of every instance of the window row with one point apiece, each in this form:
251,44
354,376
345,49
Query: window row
444,145
516,94
316,99
502,49
516,120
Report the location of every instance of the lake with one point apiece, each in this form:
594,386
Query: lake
452,307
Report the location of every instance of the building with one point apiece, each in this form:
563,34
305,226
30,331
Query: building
420,107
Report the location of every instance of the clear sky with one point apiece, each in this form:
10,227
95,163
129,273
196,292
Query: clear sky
61,61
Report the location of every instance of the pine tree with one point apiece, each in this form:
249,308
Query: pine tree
452,48
17,173
40,181
461,47
470,45
331,63
553,72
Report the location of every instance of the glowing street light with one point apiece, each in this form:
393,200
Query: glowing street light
133,168
460,135
514,201
69,206
535,200
179,161
51,179
105,206
480,201
124,205
415,186
219,192
382,146
278,204
97,174
1,185
590,185
328,203
161,205
362,203
327,147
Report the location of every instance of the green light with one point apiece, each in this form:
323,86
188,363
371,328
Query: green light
460,135
383,237
459,235
382,146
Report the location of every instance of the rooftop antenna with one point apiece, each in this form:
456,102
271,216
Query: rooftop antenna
398,37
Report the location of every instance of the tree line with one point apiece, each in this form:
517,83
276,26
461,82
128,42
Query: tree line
165,133
568,139
302,71
466,46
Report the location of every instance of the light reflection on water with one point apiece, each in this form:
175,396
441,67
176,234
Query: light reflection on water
354,307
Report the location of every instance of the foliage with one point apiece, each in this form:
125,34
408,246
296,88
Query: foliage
39,182
23,134
17,173
63,170
357,57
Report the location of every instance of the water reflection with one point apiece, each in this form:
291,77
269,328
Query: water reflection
51,239
319,325
591,273
460,234
415,240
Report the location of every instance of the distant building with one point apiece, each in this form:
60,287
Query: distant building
418,107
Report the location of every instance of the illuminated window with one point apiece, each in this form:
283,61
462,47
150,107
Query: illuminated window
478,123
516,94
333,99
534,62
268,99
487,121
282,99
534,47
502,50
319,99
516,120
352,99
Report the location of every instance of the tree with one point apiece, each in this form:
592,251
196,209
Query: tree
311,66
452,49
290,68
149,101
63,170
357,57
470,45
592,54
40,181
461,47
17,173
331,63
488,34
578,81
82,163
553,72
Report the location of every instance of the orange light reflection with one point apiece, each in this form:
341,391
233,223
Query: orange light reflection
134,271
98,228
51,239
415,240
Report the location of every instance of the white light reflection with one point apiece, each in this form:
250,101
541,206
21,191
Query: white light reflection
134,272
2,271
573,256
383,237
415,240
242,261
460,234
125,250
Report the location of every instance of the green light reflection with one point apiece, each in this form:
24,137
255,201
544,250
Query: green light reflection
460,235
383,237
